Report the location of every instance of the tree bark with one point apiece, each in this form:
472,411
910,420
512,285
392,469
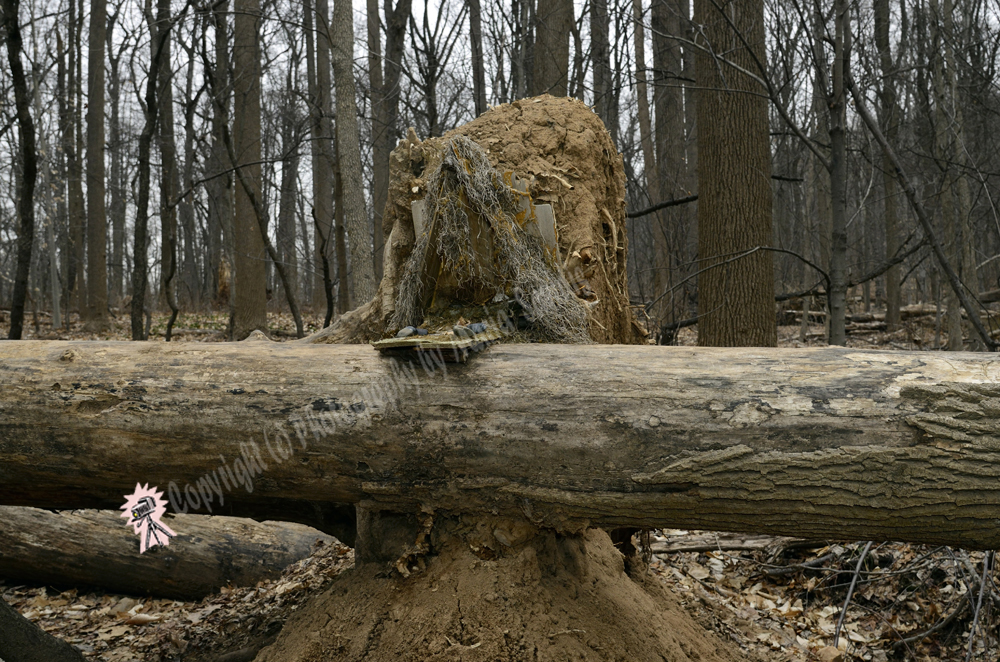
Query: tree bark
29,167
169,177
220,187
76,283
363,283
97,220
375,94
650,162
735,301
249,277
605,101
117,177
96,548
23,641
837,298
890,122
321,146
385,107
812,443
553,24
478,68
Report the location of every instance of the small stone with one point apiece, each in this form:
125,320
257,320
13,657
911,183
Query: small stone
478,327
654,422
406,332
421,332
462,331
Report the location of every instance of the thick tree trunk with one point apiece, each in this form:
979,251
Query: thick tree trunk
169,177
478,68
553,24
650,165
118,181
321,146
29,167
838,184
812,443
605,100
890,119
97,548
250,255
97,221
23,641
735,299
220,187
363,282
385,108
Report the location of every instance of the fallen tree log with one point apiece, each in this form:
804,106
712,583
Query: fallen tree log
813,443
92,548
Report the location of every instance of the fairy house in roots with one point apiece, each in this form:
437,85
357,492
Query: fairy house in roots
512,226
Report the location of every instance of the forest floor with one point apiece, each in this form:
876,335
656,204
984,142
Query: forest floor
773,598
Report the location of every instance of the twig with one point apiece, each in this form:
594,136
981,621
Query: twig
940,625
987,562
790,569
850,592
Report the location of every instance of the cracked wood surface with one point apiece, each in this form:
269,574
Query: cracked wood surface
826,443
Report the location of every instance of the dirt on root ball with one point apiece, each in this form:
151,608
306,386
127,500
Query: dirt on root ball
563,151
549,597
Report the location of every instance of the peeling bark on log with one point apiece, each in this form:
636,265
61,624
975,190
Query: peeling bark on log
824,443
95,548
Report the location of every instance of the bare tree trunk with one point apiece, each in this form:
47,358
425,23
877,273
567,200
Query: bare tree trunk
668,100
717,438
23,641
29,167
34,546
363,283
553,24
62,207
289,189
522,56
321,146
605,101
168,166
74,165
963,204
220,187
249,274
97,221
375,94
890,120
943,155
478,67
838,184
385,107
650,163
48,168
159,34
736,300
118,185
185,206
343,287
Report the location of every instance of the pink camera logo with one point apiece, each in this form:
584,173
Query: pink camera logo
143,510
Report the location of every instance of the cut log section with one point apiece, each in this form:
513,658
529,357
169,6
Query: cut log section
826,443
92,548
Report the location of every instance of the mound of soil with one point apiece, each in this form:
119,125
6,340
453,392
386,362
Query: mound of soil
543,596
563,150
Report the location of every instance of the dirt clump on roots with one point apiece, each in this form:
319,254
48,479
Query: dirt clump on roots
561,150
538,596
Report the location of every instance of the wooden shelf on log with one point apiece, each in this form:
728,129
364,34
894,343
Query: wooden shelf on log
827,443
